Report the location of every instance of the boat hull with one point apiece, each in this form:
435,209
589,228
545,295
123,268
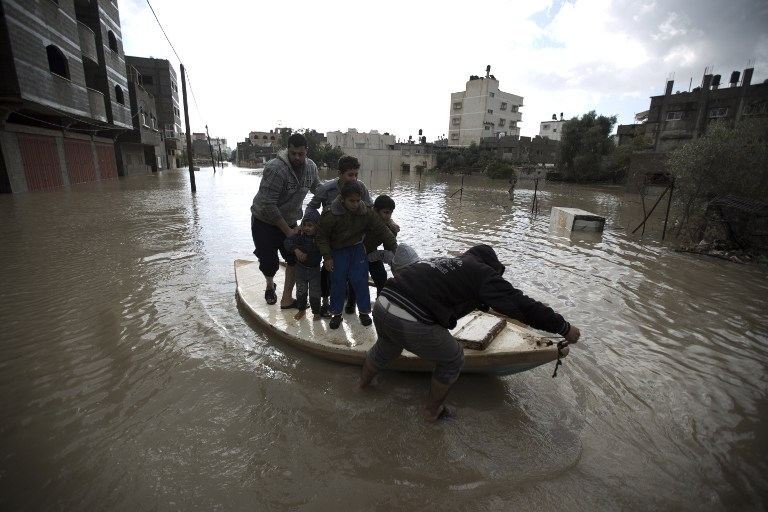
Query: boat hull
515,349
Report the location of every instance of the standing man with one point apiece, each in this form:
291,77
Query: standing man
424,299
277,208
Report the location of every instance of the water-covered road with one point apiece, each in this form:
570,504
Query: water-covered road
130,380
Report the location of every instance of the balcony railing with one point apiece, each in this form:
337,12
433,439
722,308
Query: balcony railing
96,103
87,41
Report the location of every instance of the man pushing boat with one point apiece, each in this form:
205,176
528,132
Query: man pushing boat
425,298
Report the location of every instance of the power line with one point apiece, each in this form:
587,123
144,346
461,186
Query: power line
194,97
163,30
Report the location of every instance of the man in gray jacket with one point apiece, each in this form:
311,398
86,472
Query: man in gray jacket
277,208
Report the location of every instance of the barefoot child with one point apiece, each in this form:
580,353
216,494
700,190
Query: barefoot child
303,246
340,236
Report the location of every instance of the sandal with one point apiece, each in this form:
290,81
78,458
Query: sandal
270,296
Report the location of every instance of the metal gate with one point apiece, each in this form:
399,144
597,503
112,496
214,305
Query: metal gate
40,157
107,164
79,157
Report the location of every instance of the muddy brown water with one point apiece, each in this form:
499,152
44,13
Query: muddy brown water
130,380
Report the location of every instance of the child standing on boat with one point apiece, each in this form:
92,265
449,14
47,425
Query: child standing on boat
303,246
340,236
349,170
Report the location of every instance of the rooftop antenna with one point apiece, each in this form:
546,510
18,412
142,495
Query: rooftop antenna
487,71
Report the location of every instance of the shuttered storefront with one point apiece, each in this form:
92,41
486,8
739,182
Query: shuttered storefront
40,158
107,165
79,156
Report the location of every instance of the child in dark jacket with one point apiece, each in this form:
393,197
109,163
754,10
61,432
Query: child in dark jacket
340,236
303,246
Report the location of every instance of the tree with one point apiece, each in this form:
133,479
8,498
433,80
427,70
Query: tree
725,161
584,143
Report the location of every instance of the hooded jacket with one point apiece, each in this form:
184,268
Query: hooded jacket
442,290
341,228
282,191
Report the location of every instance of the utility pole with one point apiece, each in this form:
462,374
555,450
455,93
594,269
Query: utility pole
210,148
221,162
190,153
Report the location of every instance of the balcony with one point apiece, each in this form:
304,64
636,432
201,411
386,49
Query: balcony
96,103
87,41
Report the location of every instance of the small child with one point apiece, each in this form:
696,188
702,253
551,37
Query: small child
303,246
340,240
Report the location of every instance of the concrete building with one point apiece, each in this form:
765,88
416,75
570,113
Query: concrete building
380,152
552,129
524,150
675,118
159,79
264,138
141,150
354,139
63,91
482,110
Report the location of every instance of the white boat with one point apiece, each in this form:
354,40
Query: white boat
515,348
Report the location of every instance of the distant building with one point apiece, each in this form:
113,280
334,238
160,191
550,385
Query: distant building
524,150
141,150
676,118
63,93
552,129
481,111
360,140
381,152
159,79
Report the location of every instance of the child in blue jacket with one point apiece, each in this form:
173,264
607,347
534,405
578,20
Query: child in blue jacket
308,258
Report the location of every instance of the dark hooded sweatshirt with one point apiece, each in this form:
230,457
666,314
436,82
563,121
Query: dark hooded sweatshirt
442,290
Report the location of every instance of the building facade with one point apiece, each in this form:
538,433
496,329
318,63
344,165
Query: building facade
141,150
63,93
552,129
159,79
481,111
380,152
676,118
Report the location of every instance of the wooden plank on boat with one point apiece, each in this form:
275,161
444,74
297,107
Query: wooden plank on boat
479,330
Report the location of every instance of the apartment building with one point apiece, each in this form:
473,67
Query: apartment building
482,110
63,93
140,150
552,129
159,79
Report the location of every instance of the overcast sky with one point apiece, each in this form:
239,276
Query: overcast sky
392,65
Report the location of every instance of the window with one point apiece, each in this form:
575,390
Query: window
456,121
755,109
718,112
490,111
57,62
119,96
176,112
112,41
515,108
554,130
503,106
487,127
490,94
174,86
457,105
143,117
501,122
675,115
147,80
545,127
454,136
153,121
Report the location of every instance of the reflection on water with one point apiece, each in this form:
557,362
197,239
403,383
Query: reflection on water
130,380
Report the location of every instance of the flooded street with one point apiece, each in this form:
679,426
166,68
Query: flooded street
130,380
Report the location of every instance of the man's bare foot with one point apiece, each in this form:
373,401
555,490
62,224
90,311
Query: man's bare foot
316,317
299,315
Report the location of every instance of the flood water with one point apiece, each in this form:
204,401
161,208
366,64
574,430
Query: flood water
130,380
